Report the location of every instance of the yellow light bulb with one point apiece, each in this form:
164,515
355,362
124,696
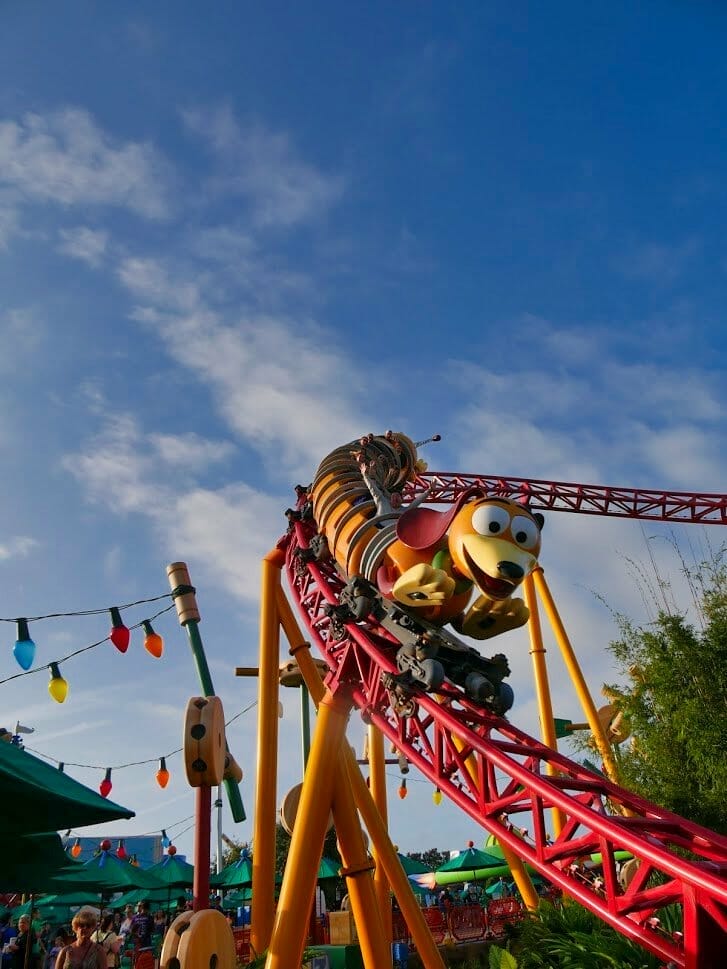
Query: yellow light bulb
437,796
58,687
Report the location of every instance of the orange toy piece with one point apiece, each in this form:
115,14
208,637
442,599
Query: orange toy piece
204,741
199,939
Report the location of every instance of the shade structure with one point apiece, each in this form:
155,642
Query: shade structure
37,797
107,874
236,875
173,872
29,863
159,897
328,868
412,866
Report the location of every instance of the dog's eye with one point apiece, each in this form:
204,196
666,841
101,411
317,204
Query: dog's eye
490,519
525,531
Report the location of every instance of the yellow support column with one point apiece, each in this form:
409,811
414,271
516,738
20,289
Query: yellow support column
542,686
263,858
576,675
426,948
377,782
306,845
357,869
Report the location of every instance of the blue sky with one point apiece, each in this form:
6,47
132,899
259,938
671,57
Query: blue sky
234,237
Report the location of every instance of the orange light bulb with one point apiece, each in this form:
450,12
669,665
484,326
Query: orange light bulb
162,775
76,849
402,788
153,642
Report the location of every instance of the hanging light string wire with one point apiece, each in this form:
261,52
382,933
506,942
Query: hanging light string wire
132,763
90,612
84,649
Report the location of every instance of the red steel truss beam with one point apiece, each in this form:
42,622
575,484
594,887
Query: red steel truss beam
684,506
511,779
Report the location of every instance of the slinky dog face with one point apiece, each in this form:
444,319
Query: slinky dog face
495,542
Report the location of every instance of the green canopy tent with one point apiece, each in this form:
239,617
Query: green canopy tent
38,797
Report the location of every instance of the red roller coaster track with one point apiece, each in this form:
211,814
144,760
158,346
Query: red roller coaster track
513,773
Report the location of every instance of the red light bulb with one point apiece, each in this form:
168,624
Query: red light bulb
119,634
171,850
105,845
104,789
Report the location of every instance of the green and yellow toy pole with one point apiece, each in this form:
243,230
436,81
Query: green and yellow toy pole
185,600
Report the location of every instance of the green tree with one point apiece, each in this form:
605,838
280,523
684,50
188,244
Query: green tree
675,701
432,857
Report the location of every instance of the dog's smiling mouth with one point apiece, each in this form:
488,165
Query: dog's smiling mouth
497,588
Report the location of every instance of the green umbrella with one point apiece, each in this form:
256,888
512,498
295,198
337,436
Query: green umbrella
236,875
108,874
30,862
411,866
469,863
328,869
173,872
38,797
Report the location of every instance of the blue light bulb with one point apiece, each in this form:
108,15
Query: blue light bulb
24,648
165,840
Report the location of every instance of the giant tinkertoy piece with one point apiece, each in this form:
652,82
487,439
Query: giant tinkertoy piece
377,579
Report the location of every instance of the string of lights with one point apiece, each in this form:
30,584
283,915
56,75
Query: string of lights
120,635
162,775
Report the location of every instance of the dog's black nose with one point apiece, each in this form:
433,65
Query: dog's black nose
510,570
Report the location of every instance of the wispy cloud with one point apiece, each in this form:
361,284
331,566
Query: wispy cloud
281,385
88,245
65,157
656,262
19,546
262,166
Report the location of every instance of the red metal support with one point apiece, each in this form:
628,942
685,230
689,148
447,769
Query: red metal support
514,779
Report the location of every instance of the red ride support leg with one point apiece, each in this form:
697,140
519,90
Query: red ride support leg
202,834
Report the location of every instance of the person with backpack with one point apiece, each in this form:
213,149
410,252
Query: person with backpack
108,940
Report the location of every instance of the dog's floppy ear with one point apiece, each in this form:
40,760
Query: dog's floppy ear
422,527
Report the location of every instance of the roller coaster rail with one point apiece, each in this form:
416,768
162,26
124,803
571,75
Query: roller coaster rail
641,503
516,774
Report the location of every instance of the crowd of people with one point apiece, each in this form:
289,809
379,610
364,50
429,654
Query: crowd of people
90,942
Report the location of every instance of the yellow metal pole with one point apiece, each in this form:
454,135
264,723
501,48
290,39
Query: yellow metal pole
426,948
357,869
306,845
576,675
542,686
263,858
377,786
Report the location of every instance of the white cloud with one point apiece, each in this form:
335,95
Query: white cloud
21,334
88,245
19,546
656,262
263,167
278,383
65,157
227,530
189,450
